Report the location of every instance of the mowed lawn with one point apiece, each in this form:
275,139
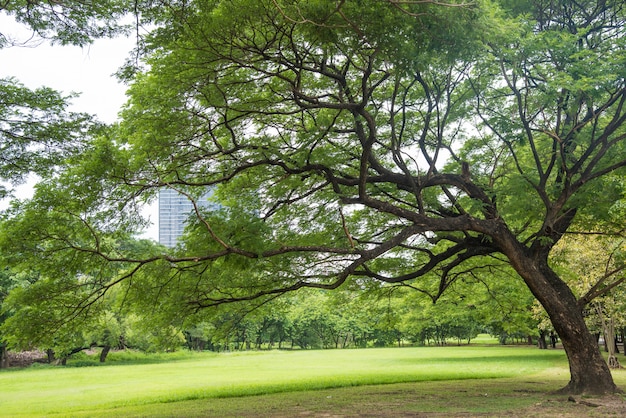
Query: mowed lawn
141,386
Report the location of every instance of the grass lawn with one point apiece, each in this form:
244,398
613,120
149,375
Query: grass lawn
385,382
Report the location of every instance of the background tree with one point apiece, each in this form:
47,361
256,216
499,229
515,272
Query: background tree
597,276
8,281
502,302
343,151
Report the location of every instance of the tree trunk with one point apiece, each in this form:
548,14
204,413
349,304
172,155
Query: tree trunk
4,358
104,353
589,373
608,328
541,341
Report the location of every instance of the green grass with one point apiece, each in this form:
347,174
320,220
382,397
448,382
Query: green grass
484,339
185,383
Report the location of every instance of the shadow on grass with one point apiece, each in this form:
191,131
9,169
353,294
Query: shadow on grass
133,358
510,397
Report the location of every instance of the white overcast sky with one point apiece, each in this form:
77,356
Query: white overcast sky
87,71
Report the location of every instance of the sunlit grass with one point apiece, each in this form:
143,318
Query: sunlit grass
484,339
191,376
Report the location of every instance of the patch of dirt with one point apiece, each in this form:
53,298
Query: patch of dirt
576,406
548,406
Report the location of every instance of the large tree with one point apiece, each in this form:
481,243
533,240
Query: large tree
356,142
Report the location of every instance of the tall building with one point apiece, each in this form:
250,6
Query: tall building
174,211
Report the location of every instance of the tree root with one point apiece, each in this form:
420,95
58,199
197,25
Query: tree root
613,362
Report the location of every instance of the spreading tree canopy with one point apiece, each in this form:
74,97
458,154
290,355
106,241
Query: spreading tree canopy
351,143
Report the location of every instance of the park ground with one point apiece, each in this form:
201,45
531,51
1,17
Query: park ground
495,398
466,381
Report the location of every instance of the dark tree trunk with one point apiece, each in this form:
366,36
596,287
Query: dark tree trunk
104,353
4,357
541,341
589,372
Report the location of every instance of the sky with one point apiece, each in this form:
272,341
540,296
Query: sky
70,69
86,70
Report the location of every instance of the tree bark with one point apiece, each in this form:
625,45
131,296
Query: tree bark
4,358
589,373
50,355
104,353
541,341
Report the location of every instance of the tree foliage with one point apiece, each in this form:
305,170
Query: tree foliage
75,22
345,153
37,132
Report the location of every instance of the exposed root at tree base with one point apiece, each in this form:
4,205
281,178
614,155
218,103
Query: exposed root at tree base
594,390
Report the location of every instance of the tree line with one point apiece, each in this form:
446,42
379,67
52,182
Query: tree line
364,315
360,317
314,319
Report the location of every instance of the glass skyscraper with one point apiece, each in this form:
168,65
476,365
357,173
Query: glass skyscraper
174,211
